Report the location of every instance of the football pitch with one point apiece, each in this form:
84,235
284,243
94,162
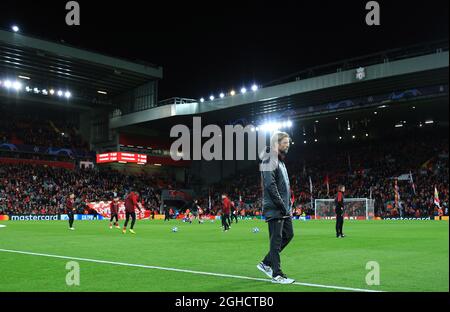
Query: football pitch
412,256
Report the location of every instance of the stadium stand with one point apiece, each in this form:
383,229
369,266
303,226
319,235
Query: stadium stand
38,189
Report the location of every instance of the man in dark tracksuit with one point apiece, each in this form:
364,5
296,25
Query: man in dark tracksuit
234,213
277,208
153,214
195,210
339,201
166,213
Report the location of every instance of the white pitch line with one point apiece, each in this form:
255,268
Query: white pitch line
181,270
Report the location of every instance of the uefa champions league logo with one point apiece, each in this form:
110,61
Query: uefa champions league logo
360,73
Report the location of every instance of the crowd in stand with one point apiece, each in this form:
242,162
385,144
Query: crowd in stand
33,189
367,171
32,129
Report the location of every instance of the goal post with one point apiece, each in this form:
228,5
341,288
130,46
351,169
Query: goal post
354,208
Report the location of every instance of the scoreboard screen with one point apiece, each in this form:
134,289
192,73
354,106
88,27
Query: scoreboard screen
122,157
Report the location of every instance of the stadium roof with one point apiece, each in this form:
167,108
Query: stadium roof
397,79
58,65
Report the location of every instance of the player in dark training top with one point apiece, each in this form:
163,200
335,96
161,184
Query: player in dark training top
339,201
234,213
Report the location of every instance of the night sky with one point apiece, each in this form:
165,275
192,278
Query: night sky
208,48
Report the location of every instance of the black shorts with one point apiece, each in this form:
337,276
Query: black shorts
130,214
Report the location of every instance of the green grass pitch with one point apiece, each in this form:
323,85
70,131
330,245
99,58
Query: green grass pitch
412,255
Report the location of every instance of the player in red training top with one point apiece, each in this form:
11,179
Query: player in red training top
70,210
114,208
226,208
131,203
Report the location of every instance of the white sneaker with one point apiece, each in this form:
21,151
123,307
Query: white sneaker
265,269
72,228
279,279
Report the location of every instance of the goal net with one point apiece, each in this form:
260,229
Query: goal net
354,208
